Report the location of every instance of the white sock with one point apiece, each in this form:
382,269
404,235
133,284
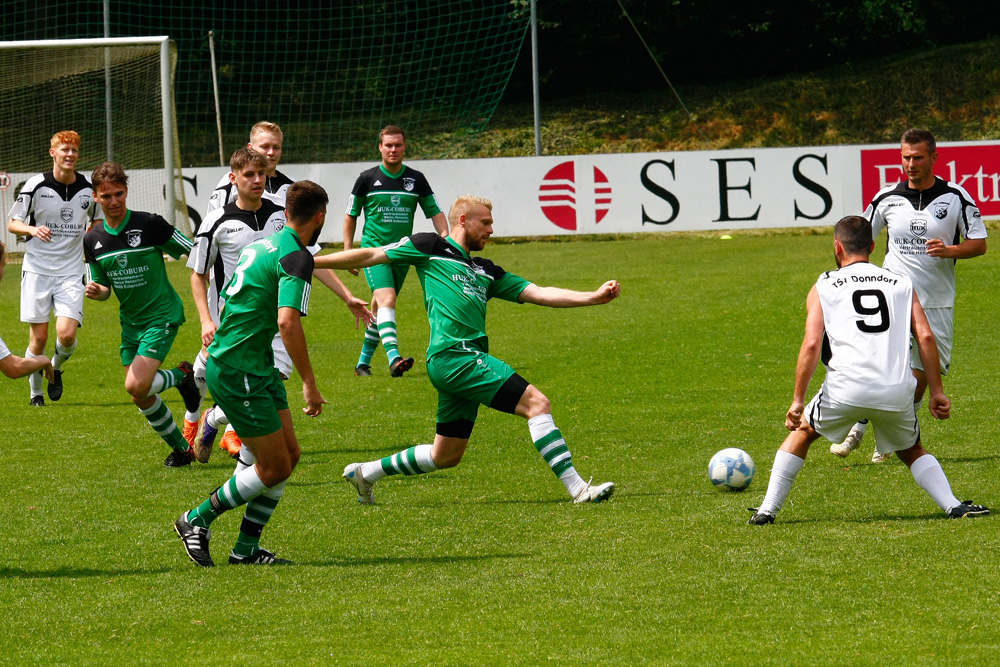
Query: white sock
200,367
786,468
62,354
860,428
158,384
573,482
929,476
220,418
248,484
244,460
35,379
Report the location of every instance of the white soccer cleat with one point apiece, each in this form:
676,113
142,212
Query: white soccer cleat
365,489
879,457
595,494
850,444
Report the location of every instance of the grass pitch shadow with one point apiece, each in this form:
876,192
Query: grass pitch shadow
76,573
412,560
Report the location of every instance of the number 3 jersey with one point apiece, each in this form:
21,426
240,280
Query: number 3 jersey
129,259
866,313
272,273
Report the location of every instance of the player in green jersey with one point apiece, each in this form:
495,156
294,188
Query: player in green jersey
125,254
268,293
388,195
456,289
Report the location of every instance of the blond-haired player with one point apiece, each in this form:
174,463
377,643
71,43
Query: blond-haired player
52,212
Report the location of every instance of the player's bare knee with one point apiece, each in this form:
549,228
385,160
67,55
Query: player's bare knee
536,403
139,391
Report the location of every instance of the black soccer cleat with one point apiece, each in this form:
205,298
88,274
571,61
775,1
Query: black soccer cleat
188,389
179,459
967,509
759,518
400,366
262,557
56,386
38,401
363,371
195,540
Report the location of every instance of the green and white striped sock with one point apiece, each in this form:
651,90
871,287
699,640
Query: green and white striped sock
413,461
369,345
235,492
162,420
165,380
259,511
387,332
550,444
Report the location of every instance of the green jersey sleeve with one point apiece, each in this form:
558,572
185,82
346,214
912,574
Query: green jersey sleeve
508,287
176,245
429,205
295,281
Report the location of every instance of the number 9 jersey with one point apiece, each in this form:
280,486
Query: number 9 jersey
866,349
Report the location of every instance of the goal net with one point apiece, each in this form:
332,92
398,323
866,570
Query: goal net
115,93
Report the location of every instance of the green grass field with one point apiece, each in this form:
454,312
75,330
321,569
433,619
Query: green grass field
489,563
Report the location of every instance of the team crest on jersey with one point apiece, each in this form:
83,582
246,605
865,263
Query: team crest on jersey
408,184
279,225
121,261
66,215
918,227
85,202
133,238
940,211
396,199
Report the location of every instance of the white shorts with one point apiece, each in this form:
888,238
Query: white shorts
942,323
895,430
41,294
282,361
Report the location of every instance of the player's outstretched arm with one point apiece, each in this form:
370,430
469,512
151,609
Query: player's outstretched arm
290,326
351,259
358,307
96,291
18,367
350,225
938,403
812,346
557,297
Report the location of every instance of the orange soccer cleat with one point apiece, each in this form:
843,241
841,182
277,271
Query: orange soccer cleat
190,431
231,443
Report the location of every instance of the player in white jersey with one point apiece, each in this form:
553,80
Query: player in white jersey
52,211
860,318
11,365
265,138
221,237
930,224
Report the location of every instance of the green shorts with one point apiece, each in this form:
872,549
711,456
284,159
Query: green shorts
153,342
251,402
467,377
386,275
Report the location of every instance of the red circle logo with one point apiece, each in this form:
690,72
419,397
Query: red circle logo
557,196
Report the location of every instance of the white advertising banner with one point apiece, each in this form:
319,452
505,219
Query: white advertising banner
643,192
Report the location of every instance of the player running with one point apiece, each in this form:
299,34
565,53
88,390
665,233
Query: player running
865,315
221,237
456,289
389,195
125,254
267,294
53,211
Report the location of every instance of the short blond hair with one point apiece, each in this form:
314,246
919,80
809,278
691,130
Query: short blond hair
464,204
65,137
265,126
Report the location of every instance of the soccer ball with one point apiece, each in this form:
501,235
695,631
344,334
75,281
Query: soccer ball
731,469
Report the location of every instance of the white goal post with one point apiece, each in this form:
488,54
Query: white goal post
116,93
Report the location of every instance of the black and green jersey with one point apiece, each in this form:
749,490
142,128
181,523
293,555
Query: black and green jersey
129,260
274,272
389,203
456,288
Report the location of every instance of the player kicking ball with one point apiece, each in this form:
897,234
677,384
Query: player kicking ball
267,294
866,313
459,365
125,254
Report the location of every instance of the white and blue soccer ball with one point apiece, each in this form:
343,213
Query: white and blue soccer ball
731,469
